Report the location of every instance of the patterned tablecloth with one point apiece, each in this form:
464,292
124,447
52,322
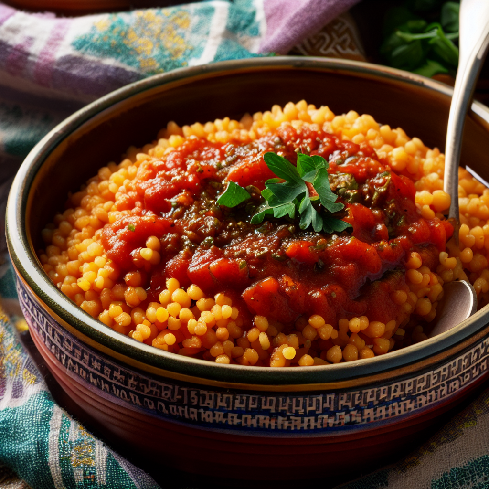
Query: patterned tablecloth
49,67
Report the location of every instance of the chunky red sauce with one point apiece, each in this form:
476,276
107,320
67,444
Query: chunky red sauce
278,270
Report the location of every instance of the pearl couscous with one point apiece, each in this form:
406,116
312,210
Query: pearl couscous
145,248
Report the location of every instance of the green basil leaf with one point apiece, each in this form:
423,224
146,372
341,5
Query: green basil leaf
233,195
408,56
409,37
440,32
427,45
444,48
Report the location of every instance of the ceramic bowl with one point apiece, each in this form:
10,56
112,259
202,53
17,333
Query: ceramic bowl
231,420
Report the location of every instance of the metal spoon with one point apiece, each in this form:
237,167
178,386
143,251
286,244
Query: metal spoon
460,299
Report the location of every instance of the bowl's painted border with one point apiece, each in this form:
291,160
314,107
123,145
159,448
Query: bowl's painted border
29,269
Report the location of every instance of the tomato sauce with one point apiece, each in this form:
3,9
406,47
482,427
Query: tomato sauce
278,270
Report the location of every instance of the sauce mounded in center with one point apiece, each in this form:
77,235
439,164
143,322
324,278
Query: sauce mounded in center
275,269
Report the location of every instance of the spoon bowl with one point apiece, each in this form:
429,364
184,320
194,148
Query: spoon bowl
459,302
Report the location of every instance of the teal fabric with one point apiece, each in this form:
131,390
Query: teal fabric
136,38
24,128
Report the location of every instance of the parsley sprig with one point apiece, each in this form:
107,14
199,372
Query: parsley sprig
288,195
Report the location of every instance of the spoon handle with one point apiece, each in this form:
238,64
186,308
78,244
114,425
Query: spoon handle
473,47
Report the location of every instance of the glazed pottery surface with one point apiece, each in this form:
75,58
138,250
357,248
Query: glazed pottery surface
179,408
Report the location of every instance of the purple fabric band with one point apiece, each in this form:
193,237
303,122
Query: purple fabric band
291,21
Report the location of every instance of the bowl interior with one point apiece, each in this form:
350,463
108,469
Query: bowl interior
103,131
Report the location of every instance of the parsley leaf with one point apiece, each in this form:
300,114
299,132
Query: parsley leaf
281,210
233,195
282,168
285,198
331,225
263,211
317,174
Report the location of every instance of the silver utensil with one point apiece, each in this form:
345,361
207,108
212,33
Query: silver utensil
460,298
